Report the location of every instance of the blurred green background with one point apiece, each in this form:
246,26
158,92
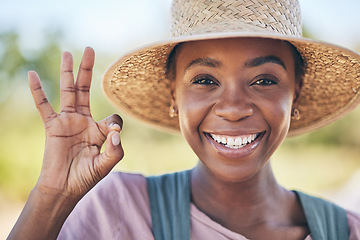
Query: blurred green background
321,163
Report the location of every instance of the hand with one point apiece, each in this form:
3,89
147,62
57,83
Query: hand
72,162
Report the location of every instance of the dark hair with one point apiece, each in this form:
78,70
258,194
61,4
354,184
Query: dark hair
299,65
170,70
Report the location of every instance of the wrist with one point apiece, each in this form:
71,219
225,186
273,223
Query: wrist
43,215
55,196
52,199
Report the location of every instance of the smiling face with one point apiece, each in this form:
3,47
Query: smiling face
234,98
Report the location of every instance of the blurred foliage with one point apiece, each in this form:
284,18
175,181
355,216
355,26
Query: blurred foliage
146,150
15,63
344,132
20,127
306,33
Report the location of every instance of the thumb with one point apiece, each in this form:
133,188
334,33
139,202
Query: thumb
113,122
113,150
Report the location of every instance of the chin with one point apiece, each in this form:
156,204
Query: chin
234,174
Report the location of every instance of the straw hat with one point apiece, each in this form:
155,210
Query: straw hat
137,84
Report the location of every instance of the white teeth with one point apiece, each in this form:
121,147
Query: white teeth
234,142
230,141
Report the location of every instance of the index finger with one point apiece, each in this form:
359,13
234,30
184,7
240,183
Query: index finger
41,102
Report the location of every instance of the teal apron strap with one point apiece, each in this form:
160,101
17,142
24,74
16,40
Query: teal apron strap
326,220
169,197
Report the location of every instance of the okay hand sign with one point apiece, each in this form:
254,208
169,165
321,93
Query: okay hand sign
72,162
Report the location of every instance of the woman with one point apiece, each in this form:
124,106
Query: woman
238,79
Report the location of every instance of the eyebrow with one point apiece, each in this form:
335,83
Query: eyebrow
210,62
207,62
262,60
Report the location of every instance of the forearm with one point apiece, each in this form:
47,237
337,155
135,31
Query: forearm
43,216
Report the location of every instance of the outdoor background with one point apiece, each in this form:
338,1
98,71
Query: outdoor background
33,34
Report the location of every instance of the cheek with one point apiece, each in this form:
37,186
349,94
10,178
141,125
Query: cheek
193,109
279,114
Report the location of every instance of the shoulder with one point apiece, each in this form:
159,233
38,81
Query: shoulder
354,225
320,213
119,183
114,207
118,188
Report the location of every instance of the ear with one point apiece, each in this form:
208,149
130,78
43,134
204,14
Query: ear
173,110
172,93
298,86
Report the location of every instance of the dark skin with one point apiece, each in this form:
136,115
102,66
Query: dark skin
72,162
224,87
231,88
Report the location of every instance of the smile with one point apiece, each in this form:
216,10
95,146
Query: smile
234,142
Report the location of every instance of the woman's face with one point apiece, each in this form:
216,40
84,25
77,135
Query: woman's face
234,98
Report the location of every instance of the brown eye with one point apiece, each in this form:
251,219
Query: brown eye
264,82
204,80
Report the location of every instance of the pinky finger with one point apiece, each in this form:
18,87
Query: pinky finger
42,104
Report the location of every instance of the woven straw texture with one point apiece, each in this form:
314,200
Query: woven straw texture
137,85
198,17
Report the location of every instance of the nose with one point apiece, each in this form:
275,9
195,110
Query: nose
234,105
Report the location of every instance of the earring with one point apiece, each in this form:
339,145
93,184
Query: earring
172,112
296,114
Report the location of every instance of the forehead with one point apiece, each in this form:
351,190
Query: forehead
235,49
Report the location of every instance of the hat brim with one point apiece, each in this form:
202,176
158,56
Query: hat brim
136,83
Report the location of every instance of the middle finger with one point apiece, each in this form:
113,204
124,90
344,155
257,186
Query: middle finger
67,88
83,82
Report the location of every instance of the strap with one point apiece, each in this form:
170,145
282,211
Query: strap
326,220
169,197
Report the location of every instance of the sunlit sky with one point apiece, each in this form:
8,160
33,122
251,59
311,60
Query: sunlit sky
119,25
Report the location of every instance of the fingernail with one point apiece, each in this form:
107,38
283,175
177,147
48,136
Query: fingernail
115,138
115,127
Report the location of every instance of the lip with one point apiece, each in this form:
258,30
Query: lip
232,153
